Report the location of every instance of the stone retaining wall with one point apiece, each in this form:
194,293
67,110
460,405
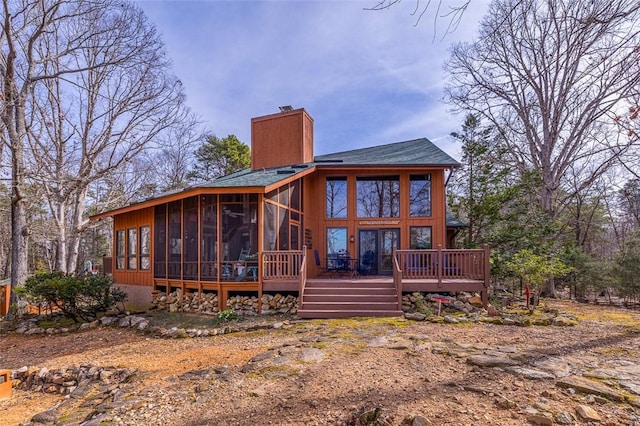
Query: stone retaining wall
67,381
207,303
421,302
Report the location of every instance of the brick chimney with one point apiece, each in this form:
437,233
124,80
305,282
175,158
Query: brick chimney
281,139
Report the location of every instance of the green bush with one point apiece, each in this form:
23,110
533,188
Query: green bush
77,297
227,315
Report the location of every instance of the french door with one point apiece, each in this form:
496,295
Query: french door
375,250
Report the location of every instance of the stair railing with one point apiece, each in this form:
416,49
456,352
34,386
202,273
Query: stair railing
397,278
303,276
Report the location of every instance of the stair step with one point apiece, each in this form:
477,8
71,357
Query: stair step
350,306
354,291
347,284
310,313
327,298
344,298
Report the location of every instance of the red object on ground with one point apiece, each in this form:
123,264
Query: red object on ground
440,300
5,384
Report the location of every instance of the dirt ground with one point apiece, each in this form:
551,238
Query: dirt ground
333,371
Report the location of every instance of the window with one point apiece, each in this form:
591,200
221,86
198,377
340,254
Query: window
378,196
175,240
209,231
145,247
420,195
337,197
336,240
160,241
295,195
283,229
190,238
420,237
120,245
132,248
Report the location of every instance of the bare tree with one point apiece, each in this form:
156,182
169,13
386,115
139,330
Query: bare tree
451,12
88,87
551,75
174,158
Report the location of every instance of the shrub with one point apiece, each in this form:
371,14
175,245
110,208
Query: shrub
77,297
227,315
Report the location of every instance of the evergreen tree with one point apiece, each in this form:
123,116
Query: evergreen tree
220,157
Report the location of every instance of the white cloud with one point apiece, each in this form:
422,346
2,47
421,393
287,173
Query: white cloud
366,77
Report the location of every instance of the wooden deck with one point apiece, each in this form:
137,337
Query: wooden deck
429,271
349,294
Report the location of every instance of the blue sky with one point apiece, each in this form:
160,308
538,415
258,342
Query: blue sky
366,77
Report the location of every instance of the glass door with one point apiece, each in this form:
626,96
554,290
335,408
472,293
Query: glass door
375,250
368,251
389,238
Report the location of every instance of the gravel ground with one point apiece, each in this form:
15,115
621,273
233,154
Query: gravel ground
344,372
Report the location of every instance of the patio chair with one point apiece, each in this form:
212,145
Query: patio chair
316,257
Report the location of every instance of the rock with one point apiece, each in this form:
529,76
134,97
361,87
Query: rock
564,322
311,355
491,361
108,320
540,419
415,421
262,356
450,319
530,373
135,321
542,321
565,418
415,316
46,417
491,320
542,406
492,311
587,413
505,403
587,386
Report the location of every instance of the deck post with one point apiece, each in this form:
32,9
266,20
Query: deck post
487,275
439,267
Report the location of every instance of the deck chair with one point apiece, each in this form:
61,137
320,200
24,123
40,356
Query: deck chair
316,257
243,254
367,263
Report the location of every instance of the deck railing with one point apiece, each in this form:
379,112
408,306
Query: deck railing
282,265
397,278
442,264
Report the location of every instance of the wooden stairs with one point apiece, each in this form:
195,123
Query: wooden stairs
358,297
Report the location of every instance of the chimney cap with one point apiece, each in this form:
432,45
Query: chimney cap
286,108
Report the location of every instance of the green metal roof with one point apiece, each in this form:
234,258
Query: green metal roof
262,177
418,152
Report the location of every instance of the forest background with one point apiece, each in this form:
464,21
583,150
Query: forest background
92,119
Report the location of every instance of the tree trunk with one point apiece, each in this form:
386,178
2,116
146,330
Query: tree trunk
77,228
61,252
546,200
19,229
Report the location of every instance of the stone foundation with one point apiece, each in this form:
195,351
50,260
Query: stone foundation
207,303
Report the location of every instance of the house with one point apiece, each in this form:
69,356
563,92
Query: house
347,233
